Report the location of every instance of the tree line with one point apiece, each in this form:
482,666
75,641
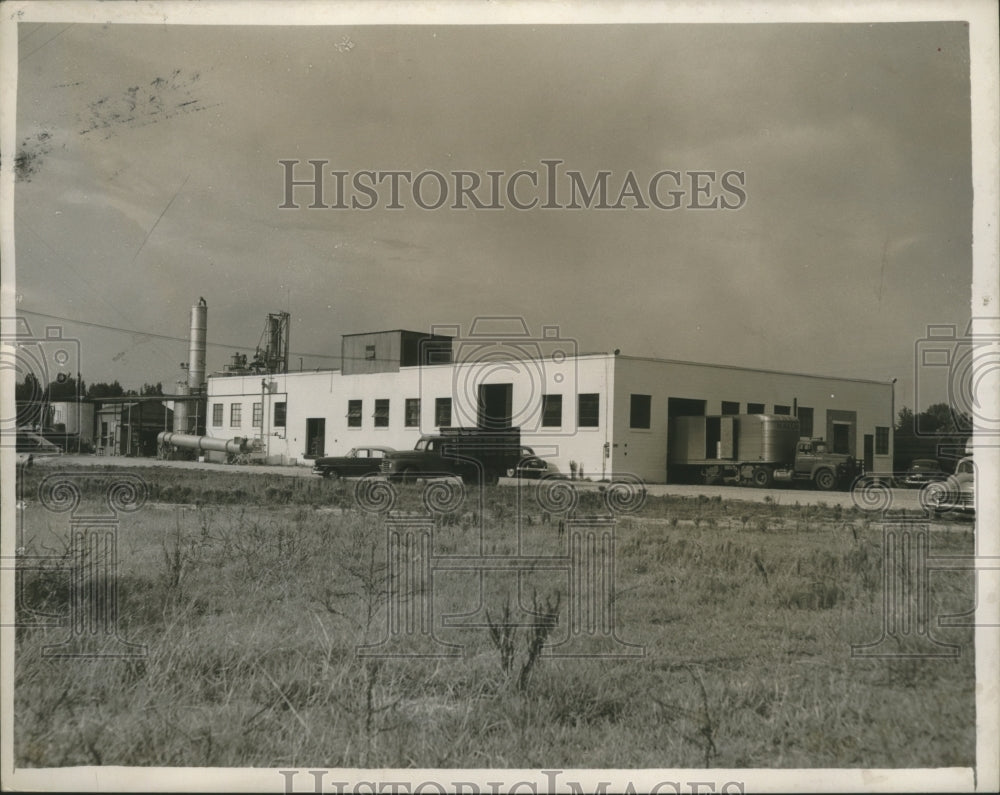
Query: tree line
67,388
940,432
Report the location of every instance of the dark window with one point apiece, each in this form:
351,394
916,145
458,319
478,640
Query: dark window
353,413
755,408
279,414
881,440
805,422
588,410
258,415
369,351
782,409
217,414
235,415
381,412
442,412
730,407
551,411
639,411
412,412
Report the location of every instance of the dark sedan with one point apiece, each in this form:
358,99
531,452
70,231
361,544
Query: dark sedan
358,462
923,471
531,466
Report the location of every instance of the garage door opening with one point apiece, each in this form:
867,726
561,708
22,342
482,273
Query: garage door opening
686,407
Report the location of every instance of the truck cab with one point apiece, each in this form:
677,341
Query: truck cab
826,470
470,453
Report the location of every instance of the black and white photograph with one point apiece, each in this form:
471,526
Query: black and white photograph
499,397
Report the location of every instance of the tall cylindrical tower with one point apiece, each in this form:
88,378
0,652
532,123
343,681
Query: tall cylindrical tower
196,357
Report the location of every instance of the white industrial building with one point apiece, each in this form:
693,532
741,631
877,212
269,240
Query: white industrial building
607,413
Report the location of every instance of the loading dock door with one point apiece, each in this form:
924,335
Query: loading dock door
841,437
495,405
680,407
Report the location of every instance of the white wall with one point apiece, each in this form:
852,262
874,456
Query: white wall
326,394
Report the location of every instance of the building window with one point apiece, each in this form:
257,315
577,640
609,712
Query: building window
730,407
639,411
442,412
755,408
381,413
588,410
369,351
805,422
258,415
235,415
782,409
551,411
413,412
217,415
279,414
353,413
881,440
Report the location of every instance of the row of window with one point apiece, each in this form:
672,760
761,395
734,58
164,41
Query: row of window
640,412
588,412
236,415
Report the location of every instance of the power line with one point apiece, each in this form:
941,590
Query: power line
170,337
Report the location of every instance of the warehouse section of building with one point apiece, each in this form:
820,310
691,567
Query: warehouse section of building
599,414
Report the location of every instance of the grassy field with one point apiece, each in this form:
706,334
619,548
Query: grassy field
252,594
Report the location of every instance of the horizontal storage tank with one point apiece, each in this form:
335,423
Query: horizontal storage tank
190,442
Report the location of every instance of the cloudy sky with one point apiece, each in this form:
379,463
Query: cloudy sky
150,176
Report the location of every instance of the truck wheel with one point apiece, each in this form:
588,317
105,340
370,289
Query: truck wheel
408,475
825,480
331,474
763,477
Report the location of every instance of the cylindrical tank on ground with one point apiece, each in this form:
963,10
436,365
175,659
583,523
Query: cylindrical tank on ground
196,356
190,442
181,413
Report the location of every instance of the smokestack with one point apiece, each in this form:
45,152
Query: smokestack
196,357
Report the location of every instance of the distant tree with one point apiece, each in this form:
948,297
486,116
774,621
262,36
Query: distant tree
103,390
29,389
152,389
939,432
66,388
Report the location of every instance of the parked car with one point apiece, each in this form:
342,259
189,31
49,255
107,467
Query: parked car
531,466
923,471
358,462
956,494
35,445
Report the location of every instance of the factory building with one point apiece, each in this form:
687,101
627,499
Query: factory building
605,413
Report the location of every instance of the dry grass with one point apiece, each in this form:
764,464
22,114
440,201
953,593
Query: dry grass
252,595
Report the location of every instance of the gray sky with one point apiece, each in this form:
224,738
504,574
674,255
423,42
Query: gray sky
153,179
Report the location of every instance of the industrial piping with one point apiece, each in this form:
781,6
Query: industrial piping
191,442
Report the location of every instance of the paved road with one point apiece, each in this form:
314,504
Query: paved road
901,498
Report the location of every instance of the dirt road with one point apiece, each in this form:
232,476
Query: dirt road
901,498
